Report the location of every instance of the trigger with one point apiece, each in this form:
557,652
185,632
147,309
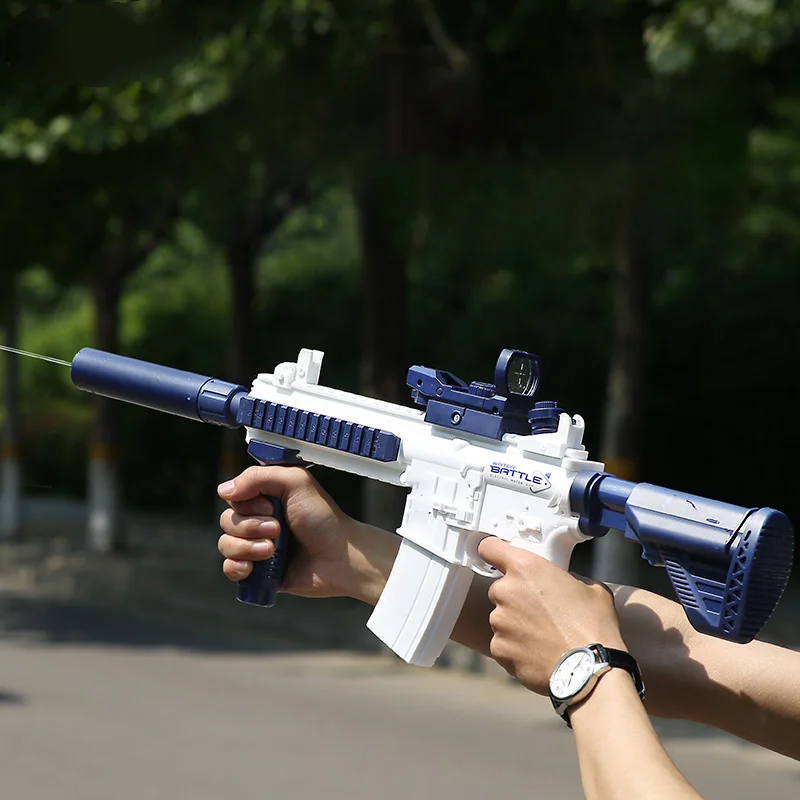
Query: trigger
475,562
487,570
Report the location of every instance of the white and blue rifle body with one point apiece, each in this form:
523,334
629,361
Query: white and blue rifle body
472,471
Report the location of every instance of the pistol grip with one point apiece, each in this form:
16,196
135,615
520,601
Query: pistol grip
261,586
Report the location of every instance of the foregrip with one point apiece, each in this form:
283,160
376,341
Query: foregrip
728,565
261,586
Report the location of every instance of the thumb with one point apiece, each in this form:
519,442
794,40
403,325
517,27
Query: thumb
496,552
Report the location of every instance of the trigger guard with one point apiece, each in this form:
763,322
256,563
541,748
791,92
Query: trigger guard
476,563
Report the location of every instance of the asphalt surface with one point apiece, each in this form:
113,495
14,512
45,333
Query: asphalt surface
99,703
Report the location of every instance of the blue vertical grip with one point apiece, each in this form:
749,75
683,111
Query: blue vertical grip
261,586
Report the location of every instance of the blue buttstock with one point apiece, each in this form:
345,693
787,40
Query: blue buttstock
728,565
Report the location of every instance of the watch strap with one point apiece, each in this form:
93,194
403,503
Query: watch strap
623,660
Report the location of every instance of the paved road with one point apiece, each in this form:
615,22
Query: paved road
97,705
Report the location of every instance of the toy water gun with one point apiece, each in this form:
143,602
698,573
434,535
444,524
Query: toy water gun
478,459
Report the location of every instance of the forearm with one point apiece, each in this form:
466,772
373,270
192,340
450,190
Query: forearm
619,753
751,691
754,694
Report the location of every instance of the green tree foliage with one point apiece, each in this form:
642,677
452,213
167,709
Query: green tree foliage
511,151
679,32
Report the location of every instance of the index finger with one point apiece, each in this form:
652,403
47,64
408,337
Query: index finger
256,481
496,552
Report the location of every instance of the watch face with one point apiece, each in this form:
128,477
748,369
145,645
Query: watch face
571,674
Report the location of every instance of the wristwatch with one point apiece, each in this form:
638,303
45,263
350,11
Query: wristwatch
577,672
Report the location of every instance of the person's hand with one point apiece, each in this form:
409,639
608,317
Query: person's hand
541,611
334,553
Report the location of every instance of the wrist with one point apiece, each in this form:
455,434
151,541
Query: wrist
614,692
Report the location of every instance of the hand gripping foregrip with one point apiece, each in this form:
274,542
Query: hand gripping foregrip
261,586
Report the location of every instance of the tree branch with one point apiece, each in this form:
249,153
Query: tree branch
459,60
147,241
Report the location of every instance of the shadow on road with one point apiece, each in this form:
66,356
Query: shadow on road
64,622
12,698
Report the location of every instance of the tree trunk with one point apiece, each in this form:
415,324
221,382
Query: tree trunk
615,559
261,220
385,248
11,516
105,518
383,361
241,347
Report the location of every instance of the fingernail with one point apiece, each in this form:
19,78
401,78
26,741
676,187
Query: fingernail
269,529
262,548
224,489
